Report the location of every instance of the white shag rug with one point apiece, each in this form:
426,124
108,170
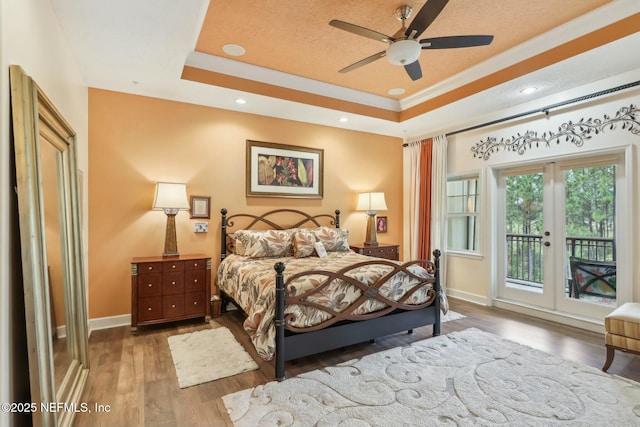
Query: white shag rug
465,378
208,355
450,316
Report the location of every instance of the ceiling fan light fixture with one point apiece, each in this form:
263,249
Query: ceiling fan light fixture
403,52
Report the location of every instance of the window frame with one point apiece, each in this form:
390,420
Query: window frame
473,253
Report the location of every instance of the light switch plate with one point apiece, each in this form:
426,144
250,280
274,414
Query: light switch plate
201,227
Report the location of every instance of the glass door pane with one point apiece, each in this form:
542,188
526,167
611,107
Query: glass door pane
524,211
590,231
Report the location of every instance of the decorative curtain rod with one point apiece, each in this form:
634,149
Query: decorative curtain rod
545,109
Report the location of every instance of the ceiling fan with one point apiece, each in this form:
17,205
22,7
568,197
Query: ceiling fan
404,47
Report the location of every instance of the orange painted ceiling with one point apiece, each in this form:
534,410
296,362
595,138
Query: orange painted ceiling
295,37
174,50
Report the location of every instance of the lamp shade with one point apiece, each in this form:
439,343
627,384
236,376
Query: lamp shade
371,202
170,196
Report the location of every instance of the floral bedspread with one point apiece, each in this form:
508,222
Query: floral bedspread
251,283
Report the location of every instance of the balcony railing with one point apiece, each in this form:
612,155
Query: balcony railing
524,256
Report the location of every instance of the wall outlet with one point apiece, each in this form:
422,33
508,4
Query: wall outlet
201,227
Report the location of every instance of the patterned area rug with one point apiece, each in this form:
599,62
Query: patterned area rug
461,379
208,355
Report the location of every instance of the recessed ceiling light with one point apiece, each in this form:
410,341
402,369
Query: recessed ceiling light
233,49
528,90
241,101
344,119
396,91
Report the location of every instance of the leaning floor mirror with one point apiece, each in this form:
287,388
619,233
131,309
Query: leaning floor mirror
51,252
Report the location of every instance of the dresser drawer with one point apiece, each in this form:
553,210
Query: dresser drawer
173,283
194,280
150,285
149,309
195,264
170,266
149,267
383,251
194,303
172,306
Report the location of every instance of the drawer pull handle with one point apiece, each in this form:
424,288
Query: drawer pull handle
173,266
173,306
149,309
150,268
195,303
195,280
173,283
150,284
195,264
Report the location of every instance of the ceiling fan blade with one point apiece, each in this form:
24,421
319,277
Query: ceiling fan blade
414,70
425,17
364,61
361,31
455,41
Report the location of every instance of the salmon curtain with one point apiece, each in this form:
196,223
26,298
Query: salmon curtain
424,199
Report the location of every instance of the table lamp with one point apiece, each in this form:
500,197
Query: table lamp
171,198
371,203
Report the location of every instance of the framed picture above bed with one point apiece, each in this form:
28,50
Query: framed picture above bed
278,170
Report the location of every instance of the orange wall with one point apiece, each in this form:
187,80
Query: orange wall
135,141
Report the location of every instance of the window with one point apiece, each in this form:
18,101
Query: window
463,204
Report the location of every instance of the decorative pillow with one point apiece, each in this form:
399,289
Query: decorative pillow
238,249
303,243
267,243
333,239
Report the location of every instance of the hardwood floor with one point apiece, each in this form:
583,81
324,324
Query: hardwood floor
134,377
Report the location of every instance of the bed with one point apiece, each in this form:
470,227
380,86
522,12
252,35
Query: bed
297,303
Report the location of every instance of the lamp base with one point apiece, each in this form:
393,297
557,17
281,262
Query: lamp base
371,236
170,240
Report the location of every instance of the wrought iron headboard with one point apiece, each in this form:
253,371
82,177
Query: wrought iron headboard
268,221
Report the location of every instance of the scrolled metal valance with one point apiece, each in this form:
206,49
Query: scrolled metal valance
575,133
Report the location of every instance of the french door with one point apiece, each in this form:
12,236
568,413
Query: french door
549,215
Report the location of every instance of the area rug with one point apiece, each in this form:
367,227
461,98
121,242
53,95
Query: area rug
208,355
461,379
451,316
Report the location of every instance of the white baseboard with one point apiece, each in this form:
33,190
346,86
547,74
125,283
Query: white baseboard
109,322
466,296
562,318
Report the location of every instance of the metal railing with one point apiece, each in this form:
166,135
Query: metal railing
524,255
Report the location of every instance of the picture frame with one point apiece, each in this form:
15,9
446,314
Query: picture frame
200,207
381,224
280,170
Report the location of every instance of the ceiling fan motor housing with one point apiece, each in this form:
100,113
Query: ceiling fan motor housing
403,52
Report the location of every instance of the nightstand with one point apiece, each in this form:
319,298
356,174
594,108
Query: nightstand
383,250
166,289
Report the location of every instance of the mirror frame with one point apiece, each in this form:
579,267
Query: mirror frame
35,118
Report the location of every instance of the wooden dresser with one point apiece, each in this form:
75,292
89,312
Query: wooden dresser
165,289
383,250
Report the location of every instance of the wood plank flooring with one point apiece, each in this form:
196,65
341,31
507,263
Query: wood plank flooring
135,376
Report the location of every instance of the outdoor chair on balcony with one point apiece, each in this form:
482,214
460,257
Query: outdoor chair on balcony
593,278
